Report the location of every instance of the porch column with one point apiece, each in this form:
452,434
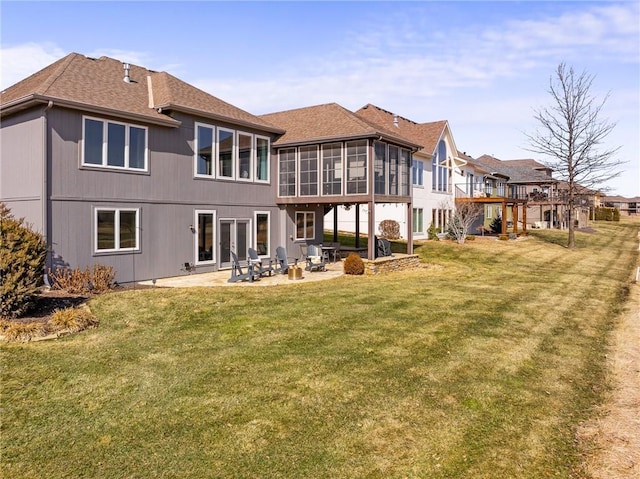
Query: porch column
514,215
524,219
371,254
410,228
357,206
504,218
335,224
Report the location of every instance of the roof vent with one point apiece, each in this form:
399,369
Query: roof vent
395,120
127,68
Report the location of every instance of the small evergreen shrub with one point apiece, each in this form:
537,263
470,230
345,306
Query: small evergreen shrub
432,233
470,238
23,253
353,264
496,225
389,229
607,214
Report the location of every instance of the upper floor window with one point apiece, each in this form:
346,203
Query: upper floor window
229,154
404,172
112,144
332,169
380,167
417,170
440,169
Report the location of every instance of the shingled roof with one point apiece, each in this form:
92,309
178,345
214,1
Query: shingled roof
518,171
425,134
97,85
328,122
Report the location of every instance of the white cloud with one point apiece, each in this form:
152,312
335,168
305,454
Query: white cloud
20,61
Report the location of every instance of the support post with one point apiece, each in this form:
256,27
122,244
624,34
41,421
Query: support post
504,218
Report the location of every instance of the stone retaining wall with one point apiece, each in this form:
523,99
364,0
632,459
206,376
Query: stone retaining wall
391,263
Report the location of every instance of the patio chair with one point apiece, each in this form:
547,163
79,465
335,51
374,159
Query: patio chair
316,261
282,260
259,263
383,247
238,275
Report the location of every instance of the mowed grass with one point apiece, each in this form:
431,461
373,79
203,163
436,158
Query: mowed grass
480,365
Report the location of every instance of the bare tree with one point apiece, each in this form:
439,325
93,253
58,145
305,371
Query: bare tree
463,217
570,134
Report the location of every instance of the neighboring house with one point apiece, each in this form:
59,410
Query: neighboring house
435,168
329,158
135,169
626,206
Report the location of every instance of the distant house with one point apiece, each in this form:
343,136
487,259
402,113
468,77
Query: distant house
135,169
332,160
626,206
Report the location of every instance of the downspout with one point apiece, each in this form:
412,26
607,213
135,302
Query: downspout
45,188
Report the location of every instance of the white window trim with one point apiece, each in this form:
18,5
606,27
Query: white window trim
214,150
105,143
116,233
196,225
234,155
313,216
255,233
252,155
255,156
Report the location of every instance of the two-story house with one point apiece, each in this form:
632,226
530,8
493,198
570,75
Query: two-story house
135,169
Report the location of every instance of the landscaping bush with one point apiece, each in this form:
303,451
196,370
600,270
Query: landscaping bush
432,233
72,319
14,331
607,214
23,253
83,281
353,264
496,225
389,229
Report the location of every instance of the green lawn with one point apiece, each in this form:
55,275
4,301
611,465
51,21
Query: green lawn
480,365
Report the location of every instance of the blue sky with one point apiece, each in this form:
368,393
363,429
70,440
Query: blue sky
483,66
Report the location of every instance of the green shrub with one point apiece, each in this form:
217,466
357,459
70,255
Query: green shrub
607,214
353,264
496,225
23,253
432,232
389,229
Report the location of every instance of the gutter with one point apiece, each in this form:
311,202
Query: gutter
45,186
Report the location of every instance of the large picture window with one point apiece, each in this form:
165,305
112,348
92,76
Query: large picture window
305,225
116,229
114,145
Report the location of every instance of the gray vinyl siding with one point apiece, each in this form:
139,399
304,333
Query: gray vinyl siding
166,195
21,166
